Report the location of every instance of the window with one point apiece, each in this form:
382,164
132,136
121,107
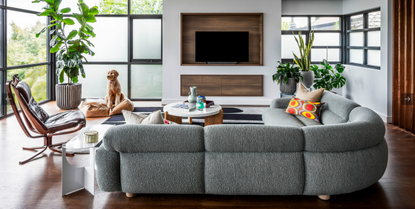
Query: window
363,39
134,49
21,52
129,39
327,37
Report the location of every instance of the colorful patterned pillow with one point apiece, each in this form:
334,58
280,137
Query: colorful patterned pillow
310,110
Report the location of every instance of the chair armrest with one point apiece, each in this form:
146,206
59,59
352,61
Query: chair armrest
280,102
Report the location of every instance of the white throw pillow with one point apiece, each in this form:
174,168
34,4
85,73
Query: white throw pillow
154,118
132,118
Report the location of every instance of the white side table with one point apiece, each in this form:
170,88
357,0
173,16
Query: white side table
213,114
75,178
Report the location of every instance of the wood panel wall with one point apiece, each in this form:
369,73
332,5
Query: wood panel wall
403,113
223,85
192,22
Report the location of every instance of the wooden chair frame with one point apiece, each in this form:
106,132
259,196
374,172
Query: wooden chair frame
47,142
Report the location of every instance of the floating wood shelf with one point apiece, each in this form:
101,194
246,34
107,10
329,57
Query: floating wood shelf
192,22
223,85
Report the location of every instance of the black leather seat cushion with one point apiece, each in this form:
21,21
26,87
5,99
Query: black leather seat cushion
64,120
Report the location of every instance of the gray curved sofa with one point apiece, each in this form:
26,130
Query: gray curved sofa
288,156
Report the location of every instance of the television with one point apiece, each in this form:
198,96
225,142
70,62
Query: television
222,46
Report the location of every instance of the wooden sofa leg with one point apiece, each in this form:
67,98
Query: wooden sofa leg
130,195
324,197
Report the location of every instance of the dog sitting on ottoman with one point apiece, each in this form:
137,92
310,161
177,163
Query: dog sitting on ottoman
114,103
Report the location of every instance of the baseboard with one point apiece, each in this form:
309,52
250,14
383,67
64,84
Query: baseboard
228,101
386,119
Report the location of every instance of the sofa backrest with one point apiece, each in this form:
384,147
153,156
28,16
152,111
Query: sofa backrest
364,129
154,138
336,108
253,138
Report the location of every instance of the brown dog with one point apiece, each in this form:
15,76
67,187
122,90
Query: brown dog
114,94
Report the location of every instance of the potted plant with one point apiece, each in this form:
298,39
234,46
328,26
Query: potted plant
70,48
303,61
328,78
287,76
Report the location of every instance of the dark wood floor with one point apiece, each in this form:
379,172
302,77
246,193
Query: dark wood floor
38,184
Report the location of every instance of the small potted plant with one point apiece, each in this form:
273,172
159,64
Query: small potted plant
303,60
287,76
69,48
328,78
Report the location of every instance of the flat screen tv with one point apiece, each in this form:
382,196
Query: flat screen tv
222,47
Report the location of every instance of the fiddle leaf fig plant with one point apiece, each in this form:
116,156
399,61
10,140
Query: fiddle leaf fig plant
286,71
328,78
69,49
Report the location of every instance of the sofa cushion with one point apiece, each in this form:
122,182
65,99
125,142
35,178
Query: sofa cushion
337,108
254,173
308,122
154,138
344,172
278,116
253,138
162,173
304,94
308,109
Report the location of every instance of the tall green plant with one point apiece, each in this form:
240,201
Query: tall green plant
69,49
303,61
327,78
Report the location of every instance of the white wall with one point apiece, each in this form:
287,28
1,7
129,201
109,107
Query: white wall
171,47
314,7
368,87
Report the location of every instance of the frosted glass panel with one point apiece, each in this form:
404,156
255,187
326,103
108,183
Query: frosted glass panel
95,83
146,81
294,23
356,56
374,19
325,23
26,4
356,22
111,41
289,45
317,55
373,57
147,39
373,38
356,39
326,39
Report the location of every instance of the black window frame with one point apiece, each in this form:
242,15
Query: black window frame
308,32
365,31
50,78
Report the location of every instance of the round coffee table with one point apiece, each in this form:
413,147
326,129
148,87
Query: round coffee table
213,114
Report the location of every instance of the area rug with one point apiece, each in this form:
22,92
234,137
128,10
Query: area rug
231,115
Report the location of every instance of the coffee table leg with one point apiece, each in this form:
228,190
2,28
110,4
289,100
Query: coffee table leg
172,118
76,178
89,172
214,119
190,120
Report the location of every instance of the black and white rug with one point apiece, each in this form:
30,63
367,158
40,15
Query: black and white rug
231,115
